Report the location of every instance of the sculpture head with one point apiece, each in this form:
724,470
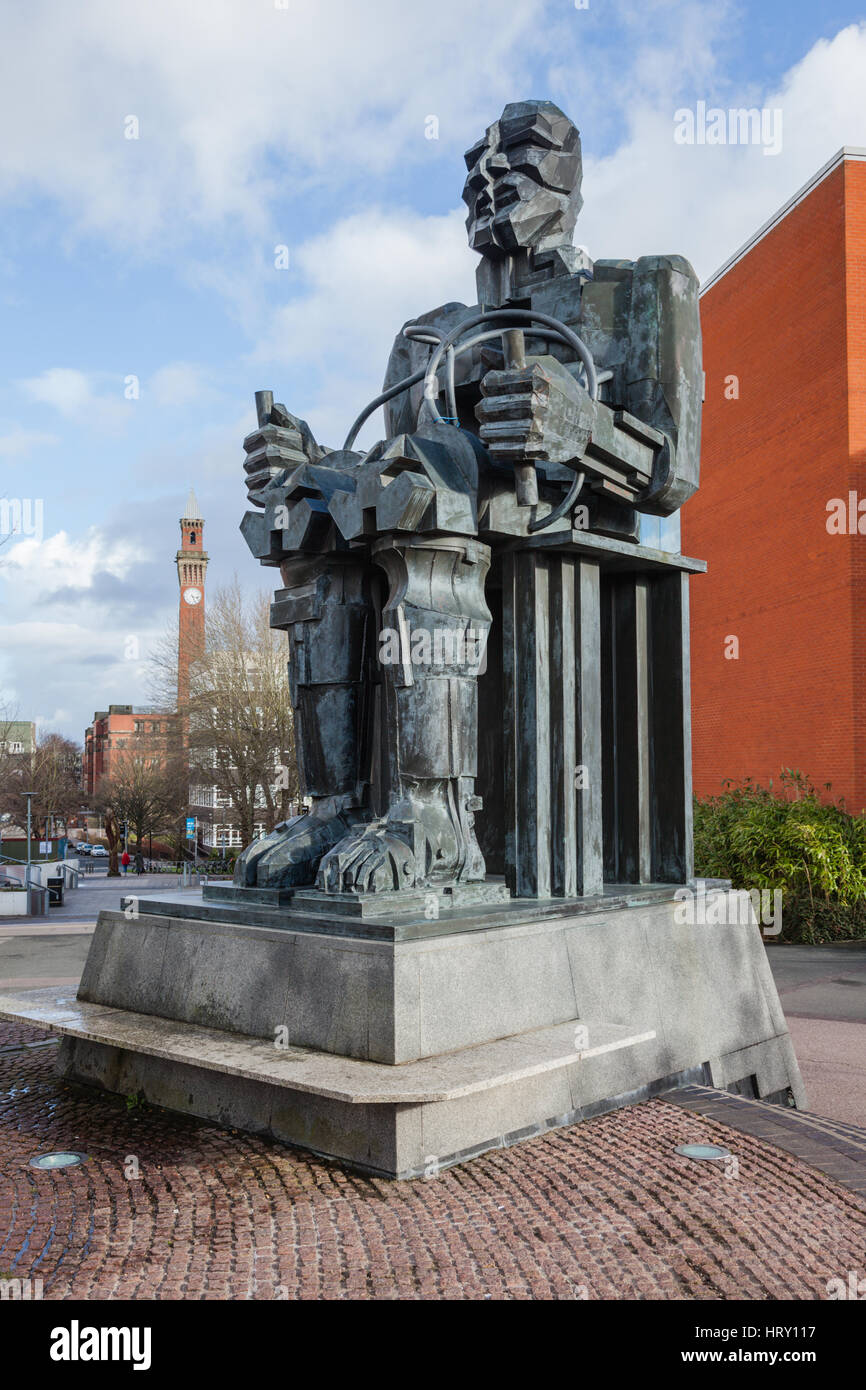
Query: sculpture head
523,187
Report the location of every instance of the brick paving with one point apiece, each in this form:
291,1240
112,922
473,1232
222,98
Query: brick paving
602,1210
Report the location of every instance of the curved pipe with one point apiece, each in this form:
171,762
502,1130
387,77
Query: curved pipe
561,508
425,333
431,379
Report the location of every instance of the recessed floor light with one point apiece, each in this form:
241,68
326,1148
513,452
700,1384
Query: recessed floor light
702,1151
63,1159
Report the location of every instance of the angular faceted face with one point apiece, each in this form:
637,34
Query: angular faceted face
524,179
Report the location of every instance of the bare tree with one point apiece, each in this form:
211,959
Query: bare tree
9,761
51,773
147,790
238,722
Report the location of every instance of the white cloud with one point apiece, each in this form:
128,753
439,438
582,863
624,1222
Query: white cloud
59,561
73,394
236,101
20,442
178,383
363,277
66,642
64,388
704,201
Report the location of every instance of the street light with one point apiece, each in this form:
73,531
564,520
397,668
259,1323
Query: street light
29,796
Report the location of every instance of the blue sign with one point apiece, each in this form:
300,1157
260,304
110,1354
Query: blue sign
190,827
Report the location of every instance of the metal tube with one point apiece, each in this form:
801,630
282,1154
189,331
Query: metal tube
525,476
409,381
264,406
568,501
499,316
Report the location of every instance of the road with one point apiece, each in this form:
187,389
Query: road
823,993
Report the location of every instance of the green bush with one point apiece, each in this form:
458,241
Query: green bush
813,850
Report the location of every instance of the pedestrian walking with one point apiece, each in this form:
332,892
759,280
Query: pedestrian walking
124,860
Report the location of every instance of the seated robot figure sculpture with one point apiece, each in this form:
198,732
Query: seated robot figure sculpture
387,749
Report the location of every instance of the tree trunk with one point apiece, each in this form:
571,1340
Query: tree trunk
112,834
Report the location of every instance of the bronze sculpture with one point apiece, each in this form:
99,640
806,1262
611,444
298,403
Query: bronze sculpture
488,656
511,478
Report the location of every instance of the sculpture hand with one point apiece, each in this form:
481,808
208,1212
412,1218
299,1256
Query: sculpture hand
535,412
283,443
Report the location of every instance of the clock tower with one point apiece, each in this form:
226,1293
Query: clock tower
191,568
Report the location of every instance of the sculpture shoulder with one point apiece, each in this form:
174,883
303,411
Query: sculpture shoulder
405,352
408,357
672,278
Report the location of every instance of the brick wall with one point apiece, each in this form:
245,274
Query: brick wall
855,259
778,582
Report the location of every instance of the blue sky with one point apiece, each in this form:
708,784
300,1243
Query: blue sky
262,124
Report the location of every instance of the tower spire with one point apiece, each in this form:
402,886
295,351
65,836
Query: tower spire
191,511
191,562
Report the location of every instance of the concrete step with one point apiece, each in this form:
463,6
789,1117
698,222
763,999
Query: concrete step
443,1078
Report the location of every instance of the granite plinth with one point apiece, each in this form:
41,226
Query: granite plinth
402,1056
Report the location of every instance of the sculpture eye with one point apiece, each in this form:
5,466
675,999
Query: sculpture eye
525,157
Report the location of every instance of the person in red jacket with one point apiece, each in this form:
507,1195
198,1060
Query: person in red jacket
124,860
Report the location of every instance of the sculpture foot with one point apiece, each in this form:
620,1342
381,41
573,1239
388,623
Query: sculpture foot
290,855
421,849
371,860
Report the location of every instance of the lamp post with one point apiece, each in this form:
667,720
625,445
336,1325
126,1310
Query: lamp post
29,796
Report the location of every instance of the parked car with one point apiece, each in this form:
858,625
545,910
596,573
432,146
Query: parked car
83,847
98,852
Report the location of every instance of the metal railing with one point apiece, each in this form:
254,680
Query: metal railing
203,867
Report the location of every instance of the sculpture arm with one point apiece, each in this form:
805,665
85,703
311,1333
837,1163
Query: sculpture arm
663,374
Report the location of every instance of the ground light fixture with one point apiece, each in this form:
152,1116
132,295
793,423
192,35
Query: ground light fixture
703,1152
63,1159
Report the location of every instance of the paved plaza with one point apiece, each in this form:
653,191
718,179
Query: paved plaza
602,1210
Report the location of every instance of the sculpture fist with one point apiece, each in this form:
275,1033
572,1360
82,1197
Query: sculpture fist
282,443
535,412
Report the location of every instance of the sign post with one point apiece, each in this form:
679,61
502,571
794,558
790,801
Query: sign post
192,834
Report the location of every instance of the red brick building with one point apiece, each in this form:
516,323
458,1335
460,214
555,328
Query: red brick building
122,729
143,730
779,620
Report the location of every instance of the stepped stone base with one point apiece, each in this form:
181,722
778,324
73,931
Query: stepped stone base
401,1057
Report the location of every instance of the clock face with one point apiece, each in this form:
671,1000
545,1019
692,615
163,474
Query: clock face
192,596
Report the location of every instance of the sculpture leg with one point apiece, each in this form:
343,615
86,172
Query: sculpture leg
325,608
435,626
